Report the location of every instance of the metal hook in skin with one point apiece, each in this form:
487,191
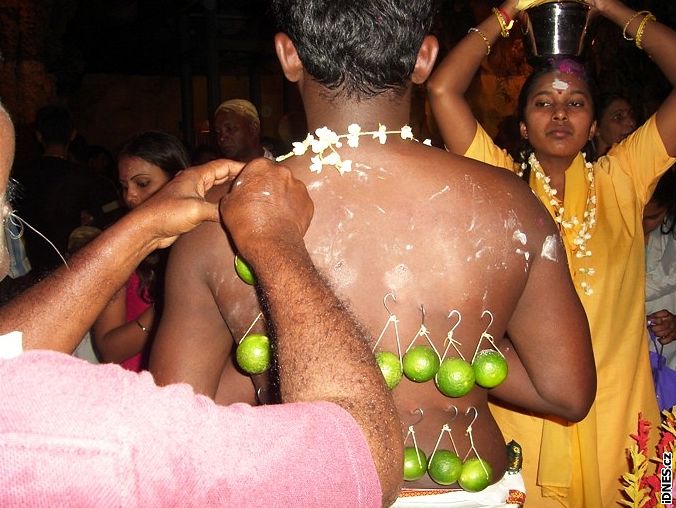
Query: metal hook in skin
456,324
489,324
449,340
453,406
476,415
394,299
422,309
421,413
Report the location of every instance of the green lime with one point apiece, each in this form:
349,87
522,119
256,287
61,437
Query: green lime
476,475
244,271
253,354
444,467
455,377
420,364
490,368
415,463
390,367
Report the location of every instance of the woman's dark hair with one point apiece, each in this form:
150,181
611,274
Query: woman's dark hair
170,155
665,196
541,67
159,148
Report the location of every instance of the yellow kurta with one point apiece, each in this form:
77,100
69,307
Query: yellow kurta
579,465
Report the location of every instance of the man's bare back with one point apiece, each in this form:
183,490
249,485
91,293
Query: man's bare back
431,230
410,231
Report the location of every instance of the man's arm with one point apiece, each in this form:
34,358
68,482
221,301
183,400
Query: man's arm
321,349
550,333
70,299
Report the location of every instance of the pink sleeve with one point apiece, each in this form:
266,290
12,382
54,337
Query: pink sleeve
80,434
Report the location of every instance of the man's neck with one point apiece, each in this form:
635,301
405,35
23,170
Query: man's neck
385,109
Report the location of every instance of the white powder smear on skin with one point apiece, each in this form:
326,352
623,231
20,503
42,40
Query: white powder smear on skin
442,191
520,237
549,248
398,277
558,84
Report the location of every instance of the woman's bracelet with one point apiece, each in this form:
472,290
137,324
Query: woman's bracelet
505,26
145,330
483,36
641,28
626,25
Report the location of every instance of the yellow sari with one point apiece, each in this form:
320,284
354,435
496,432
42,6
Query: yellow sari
579,465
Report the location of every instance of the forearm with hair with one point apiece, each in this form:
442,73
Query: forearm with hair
323,354
71,298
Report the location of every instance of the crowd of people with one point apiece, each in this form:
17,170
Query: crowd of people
361,242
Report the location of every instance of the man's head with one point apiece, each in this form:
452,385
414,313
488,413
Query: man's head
238,130
54,126
356,49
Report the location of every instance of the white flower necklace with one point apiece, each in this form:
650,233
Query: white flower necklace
584,226
326,139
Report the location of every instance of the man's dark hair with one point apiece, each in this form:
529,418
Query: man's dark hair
356,49
54,124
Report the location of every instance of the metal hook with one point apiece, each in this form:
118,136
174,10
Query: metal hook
476,415
489,324
394,299
456,411
450,333
422,309
422,415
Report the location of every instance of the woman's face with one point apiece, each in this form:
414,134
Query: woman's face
559,115
653,216
139,179
616,122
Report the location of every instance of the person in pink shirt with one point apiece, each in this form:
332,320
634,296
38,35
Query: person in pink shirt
73,433
122,333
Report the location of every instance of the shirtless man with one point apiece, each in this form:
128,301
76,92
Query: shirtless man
433,230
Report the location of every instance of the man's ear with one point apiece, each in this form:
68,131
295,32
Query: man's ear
288,57
424,63
523,130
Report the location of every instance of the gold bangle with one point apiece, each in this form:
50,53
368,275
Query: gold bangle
626,25
145,330
504,27
483,36
641,28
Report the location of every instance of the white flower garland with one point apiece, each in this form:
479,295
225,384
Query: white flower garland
326,139
584,226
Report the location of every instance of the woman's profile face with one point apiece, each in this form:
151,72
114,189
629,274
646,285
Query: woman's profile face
559,115
139,179
616,122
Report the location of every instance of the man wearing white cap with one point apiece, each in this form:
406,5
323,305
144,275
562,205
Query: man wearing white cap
238,131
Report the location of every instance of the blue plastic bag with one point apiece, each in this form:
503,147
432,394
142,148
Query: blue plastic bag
663,376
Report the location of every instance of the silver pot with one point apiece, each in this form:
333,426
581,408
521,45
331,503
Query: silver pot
557,28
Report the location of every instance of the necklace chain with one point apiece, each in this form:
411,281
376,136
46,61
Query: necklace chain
325,140
584,226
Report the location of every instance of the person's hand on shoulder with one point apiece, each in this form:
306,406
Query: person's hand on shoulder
180,205
266,205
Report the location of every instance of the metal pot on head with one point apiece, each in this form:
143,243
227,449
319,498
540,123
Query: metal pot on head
557,28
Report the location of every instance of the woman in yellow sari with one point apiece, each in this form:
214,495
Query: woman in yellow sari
598,209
